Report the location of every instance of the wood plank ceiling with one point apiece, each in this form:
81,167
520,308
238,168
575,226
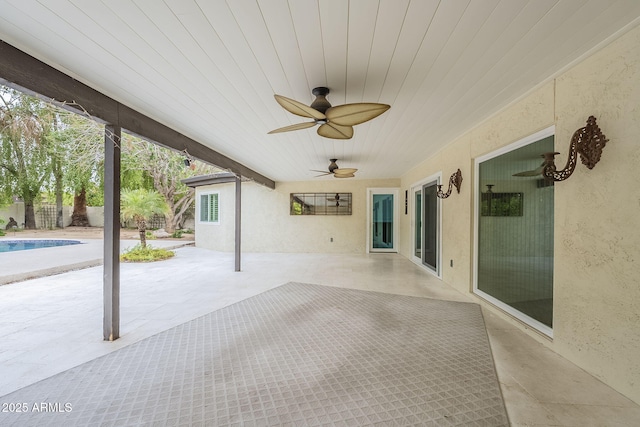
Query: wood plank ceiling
209,68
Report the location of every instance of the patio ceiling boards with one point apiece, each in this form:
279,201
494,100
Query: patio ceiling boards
209,69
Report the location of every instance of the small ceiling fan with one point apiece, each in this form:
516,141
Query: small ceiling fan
537,171
336,171
335,122
336,199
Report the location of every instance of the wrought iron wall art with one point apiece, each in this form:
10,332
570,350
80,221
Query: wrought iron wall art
320,204
587,141
454,180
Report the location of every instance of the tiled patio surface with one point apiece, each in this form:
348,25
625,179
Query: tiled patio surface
50,324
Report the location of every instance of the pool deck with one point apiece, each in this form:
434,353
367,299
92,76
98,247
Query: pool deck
51,324
24,265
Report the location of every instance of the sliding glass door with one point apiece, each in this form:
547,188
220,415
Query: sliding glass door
515,231
430,235
426,225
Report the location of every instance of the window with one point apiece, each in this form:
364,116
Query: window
209,209
515,231
382,220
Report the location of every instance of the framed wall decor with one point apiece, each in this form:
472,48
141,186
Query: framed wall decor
320,204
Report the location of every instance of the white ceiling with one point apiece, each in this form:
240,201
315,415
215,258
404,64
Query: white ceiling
210,68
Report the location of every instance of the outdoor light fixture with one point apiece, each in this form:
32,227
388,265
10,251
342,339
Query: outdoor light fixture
456,179
587,141
188,160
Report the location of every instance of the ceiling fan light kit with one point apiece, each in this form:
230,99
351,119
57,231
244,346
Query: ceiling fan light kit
335,122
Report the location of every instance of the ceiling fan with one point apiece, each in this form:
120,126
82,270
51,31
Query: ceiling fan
336,199
336,171
537,171
335,122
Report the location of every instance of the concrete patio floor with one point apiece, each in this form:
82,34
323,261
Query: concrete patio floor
50,324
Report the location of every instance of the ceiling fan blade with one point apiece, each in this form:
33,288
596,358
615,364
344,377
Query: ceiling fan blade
294,127
332,130
348,175
345,171
353,114
534,172
298,108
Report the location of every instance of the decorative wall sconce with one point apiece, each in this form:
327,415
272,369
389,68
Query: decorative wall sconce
188,160
587,141
455,180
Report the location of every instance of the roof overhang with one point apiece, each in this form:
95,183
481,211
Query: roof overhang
202,180
28,74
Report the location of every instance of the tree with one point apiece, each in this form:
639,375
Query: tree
80,154
25,151
140,205
166,169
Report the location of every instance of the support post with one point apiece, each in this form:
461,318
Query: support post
238,221
111,269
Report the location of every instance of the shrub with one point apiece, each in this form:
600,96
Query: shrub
146,254
177,234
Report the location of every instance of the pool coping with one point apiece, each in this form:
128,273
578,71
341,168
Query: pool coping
19,266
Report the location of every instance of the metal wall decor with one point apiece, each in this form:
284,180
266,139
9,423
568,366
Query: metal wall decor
454,180
320,203
587,141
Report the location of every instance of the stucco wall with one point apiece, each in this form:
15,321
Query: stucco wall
267,225
597,242
598,219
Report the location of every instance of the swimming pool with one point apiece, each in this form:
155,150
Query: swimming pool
23,245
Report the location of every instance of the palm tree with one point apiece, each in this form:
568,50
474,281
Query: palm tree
140,205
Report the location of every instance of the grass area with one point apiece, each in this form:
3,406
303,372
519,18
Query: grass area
148,254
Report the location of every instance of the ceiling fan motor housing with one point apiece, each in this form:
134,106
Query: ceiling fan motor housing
320,103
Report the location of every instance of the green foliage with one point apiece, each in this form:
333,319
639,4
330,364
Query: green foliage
50,198
95,194
177,234
141,204
145,254
45,149
26,148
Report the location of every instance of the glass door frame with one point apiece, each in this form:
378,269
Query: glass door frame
396,219
415,187
539,326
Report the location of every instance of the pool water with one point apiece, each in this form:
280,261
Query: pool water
23,245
